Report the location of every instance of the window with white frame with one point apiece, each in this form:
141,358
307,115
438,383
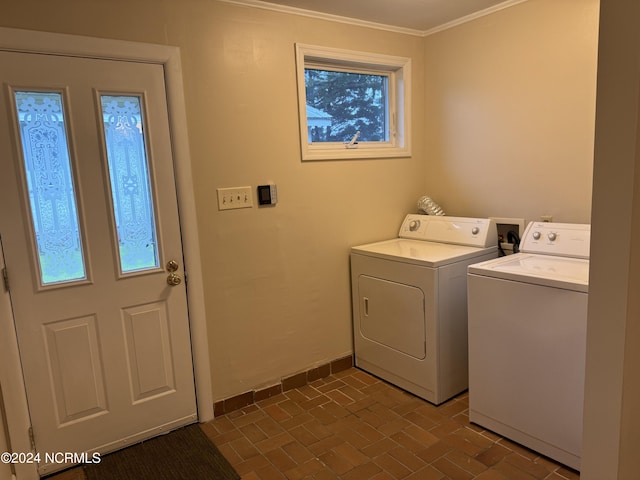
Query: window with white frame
353,104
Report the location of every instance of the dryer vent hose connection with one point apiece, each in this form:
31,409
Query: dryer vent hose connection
428,206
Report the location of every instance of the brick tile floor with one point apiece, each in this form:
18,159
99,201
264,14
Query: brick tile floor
353,426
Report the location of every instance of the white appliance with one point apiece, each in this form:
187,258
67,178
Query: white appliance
409,302
527,340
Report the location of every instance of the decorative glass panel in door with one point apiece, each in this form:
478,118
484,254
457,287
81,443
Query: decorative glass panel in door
49,181
130,183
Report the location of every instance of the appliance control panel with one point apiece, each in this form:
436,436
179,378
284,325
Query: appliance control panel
561,239
474,232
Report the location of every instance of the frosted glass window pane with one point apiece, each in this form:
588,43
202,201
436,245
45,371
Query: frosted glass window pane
49,179
130,184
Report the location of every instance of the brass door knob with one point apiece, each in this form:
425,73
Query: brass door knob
173,279
172,266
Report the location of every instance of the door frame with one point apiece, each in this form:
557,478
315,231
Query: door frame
27,41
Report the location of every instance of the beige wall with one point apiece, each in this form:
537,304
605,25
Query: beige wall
510,105
503,118
612,416
276,279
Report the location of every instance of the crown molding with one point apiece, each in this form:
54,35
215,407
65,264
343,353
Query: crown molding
471,17
363,23
323,16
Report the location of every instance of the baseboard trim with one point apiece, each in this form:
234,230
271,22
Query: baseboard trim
286,383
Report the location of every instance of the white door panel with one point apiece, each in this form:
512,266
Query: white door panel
107,357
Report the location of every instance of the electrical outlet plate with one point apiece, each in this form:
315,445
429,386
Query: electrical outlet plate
234,197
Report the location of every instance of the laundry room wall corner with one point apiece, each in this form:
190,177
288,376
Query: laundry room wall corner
511,112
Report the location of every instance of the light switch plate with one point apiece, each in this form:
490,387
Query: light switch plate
234,197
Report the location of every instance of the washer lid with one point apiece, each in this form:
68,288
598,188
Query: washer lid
429,254
546,270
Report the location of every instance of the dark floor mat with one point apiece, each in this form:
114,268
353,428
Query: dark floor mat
186,453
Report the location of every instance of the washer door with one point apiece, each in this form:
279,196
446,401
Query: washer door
393,314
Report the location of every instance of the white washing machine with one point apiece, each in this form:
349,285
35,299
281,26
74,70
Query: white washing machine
410,305
527,340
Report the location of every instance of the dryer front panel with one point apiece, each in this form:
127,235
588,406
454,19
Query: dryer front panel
393,314
394,324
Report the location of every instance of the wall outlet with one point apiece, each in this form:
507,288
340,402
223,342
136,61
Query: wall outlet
546,218
234,197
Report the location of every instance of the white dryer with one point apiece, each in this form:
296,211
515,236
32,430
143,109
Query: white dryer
527,340
410,304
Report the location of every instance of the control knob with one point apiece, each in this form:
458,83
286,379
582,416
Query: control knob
414,225
552,236
475,230
536,235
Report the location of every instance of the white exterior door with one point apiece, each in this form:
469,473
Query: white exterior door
89,222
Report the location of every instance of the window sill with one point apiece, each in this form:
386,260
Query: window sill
321,152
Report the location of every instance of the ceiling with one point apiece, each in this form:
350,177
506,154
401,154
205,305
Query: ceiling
421,16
